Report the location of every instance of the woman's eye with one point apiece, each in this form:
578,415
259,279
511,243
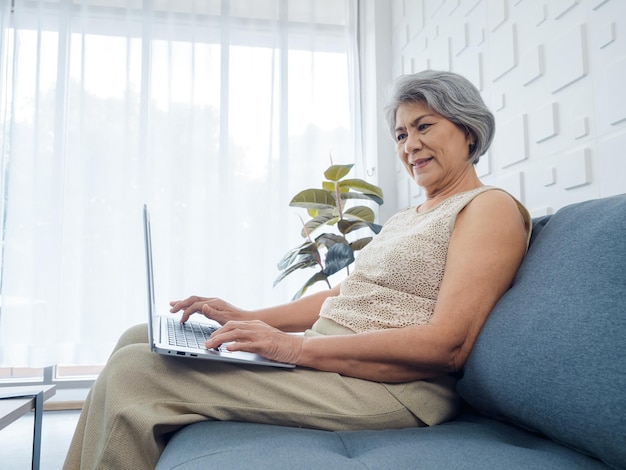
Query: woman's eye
400,137
423,127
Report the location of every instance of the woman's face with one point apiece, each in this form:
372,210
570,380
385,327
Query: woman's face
434,151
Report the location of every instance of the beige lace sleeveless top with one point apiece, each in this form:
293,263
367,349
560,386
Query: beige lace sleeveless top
396,278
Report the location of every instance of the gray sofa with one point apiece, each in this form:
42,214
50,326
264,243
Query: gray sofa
545,386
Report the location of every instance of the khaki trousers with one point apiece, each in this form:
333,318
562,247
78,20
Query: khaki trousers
141,398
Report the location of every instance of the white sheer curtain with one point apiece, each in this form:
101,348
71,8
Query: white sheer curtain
214,112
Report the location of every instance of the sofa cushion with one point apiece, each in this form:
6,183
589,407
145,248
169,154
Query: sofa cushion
552,356
469,442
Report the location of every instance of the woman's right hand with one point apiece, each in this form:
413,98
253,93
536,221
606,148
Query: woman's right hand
212,308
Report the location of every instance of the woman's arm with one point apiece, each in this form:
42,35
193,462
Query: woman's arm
298,315
291,317
485,251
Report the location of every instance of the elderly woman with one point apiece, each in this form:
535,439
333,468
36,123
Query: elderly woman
381,350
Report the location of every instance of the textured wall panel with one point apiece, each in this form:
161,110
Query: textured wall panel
561,7
544,122
431,7
407,64
470,66
567,58
477,34
498,13
452,6
460,39
422,62
575,169
513,183
440,53
595,4
540,14
554,74
512,142
616,92
611,167
415,14
581,128
532,65
498,101
503,51
549,176
468,6
541,211
608,34
483,167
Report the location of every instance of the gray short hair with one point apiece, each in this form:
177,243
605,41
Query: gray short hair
450,95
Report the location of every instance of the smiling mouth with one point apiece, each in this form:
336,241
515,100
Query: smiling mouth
421,162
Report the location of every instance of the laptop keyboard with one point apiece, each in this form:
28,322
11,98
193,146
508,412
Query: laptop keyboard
190,334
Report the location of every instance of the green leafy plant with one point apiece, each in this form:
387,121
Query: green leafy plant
330,252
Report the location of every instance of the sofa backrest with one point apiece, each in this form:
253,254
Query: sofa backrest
552,355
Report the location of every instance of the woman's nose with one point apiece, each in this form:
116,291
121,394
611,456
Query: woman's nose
412,143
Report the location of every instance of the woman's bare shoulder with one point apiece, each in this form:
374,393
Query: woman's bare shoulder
495,209
497,203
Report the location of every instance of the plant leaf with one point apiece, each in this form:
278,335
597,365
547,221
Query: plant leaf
326,217
318,276
289,257
328,186
339,256
376,228
361,213
347,226
361,243
306,262
329,239
352,195
362,187
336,172
314,199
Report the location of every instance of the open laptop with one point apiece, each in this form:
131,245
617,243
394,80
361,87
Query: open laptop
169,337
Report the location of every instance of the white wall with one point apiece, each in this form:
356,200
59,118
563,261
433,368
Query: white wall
552,71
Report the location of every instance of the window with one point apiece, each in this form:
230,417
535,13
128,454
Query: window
214,112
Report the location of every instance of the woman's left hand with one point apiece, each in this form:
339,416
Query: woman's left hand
257,337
